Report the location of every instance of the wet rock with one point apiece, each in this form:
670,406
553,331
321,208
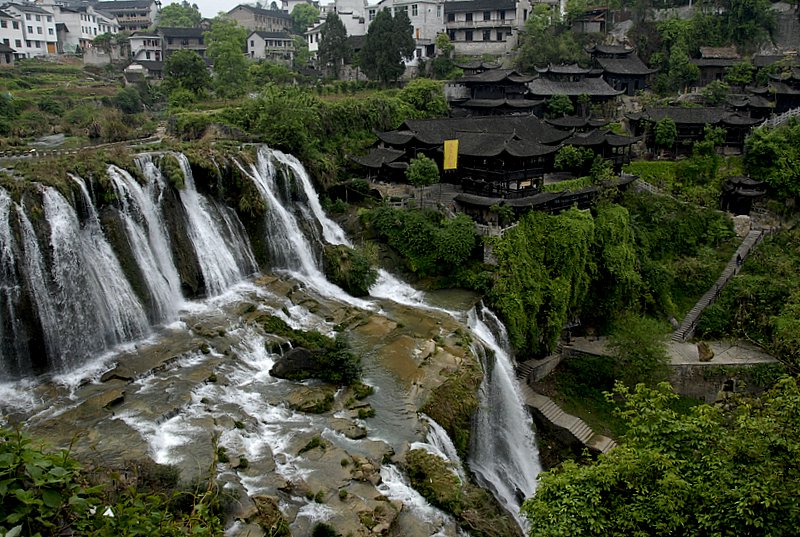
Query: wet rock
314,400
298,363
248,530
270,517
346,427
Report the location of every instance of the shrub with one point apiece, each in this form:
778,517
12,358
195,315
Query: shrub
350,269
128,100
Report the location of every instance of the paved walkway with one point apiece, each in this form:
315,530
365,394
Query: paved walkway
689,323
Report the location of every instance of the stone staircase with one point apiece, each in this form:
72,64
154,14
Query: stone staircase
689,323
525,369
576,427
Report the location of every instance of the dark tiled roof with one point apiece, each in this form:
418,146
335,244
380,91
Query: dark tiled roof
146,35
570,69
481,144
395,137
4,15
783,88
29,8
544,87
753,101
719,53
529,128
124,4
695,116
194,33
477,65
758,90
496,103
61,27
478,5
715,62
378,156
610,49
763,60
266,12
495,76
272,35
631,65
575,122
600,137
5,48
151,65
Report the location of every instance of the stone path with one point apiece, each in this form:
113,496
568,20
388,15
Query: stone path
686,328
550,411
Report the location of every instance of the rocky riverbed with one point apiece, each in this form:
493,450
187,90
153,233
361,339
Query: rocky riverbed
198,395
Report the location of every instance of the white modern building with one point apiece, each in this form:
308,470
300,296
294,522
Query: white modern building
477,27
274,46
81,25
11,33
146,46
38,29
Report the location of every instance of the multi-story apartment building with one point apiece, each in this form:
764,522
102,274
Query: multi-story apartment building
173,39
11,34
132,15
81,25
38,29
273,46
256,19
478,27
146,46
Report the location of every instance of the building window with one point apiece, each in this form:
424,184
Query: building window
371,15
38,44
3,24
451,17
49,18
30,29
451,34
438,12
18,43
50,31
38,18
38,29
414,11
487,35
15,25
27,16
469,17
468,35
169,41
500,36
28,44
184,42
252,43
502,15
6,42
487,15
147,54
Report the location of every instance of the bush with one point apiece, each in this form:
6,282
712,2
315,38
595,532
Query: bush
128,100
350,269
181,98
50,106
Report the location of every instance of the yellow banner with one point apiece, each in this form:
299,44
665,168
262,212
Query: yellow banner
450,154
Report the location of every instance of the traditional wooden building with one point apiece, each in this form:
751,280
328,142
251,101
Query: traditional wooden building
492,91
572,81
576,123
613,147
713,62
691,123
622,68
786,88
738,194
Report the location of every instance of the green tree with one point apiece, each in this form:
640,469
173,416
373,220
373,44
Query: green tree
389,41
715,92
186,69
226,43
740,74
442,66
426,95
574,159
715,470
181,15
304,16
422,171
302,57
334,50
547,40
774,156
128,100
559,105
744,23
666,132
640,350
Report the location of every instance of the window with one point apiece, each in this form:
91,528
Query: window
500,36
38,29
6,42
30,29
147,54
487,15
371,15
49,18
438,11
524,15
184,42
487,35
469,17
169,41
502,15
18,43
451,17
28,44
414,11
15,25
27,16
38,18
50,31
37,44
252,43
3,24
468,35
451,34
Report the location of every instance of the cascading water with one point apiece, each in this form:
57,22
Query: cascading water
503,456
93,297
146,233
13,339
217,250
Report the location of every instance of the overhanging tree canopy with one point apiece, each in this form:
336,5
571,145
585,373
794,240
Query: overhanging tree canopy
389,41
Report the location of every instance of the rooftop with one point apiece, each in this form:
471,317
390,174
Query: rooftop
265,12
478,5
631,65
543,87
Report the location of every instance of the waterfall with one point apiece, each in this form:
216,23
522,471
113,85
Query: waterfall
222,250
146,233
13,337
504,457
95,305
289,247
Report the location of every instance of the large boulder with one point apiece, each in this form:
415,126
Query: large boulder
297,364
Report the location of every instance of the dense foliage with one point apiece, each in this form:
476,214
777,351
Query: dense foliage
178,15
47,493
548,40
186,69
349,268
225,40
718,470
334,49
429,243
762,303
773,155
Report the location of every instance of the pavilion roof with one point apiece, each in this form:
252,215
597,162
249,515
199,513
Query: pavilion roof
544,87
630,65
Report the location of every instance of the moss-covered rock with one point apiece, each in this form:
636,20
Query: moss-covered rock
350,269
